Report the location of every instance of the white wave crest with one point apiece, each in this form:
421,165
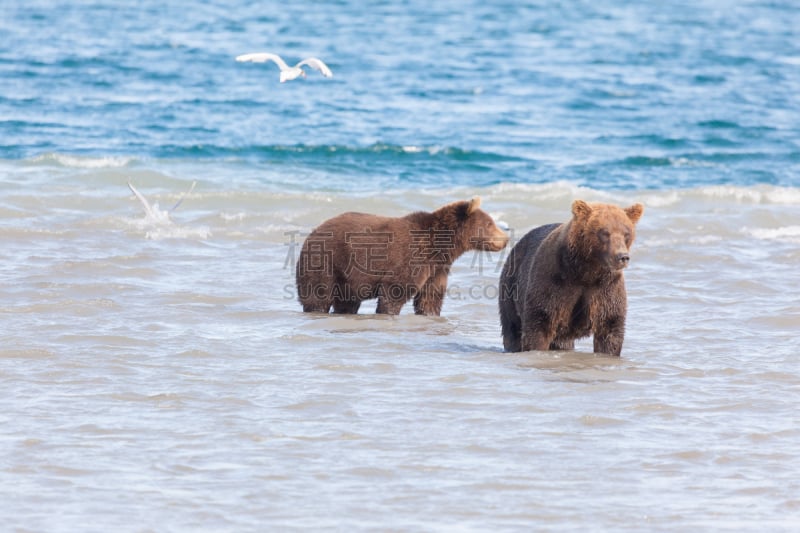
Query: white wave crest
785,233
73,161
754,195
660,199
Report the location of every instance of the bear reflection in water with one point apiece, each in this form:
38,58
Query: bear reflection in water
356,256
562,282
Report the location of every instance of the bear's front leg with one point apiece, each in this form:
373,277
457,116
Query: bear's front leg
430,297
609,335
535,340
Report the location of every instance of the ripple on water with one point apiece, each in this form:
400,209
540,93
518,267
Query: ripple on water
164,364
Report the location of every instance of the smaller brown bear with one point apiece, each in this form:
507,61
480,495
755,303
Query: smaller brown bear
562,282
356,256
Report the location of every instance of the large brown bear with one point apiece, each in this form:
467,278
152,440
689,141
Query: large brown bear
562,282
355,257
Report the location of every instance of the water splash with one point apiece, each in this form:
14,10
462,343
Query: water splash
159,225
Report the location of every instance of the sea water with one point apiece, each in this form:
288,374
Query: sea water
157,371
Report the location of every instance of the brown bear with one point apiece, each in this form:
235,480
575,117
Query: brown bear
562,282
356,256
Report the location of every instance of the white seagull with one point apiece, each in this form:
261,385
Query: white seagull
287,73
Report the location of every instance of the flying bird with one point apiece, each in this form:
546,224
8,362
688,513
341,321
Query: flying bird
287,73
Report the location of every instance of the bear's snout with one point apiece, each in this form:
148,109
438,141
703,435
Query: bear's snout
497,241
618,253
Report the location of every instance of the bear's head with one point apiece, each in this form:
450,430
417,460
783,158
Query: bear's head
604,233
474,229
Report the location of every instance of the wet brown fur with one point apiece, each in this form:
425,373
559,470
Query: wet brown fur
356,256
562,282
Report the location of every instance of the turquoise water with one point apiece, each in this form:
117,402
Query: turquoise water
602,94
157,373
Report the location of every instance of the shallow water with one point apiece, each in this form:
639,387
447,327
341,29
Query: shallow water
158,373
165,371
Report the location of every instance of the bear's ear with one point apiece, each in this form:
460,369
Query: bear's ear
473,205
634,212
461,209
581,210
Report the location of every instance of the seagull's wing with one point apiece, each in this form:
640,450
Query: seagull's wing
148,210
313,62
263,57
180,200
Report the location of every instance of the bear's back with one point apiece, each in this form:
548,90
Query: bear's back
353,221
521,256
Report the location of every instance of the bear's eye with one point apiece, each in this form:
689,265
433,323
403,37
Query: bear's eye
603,234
